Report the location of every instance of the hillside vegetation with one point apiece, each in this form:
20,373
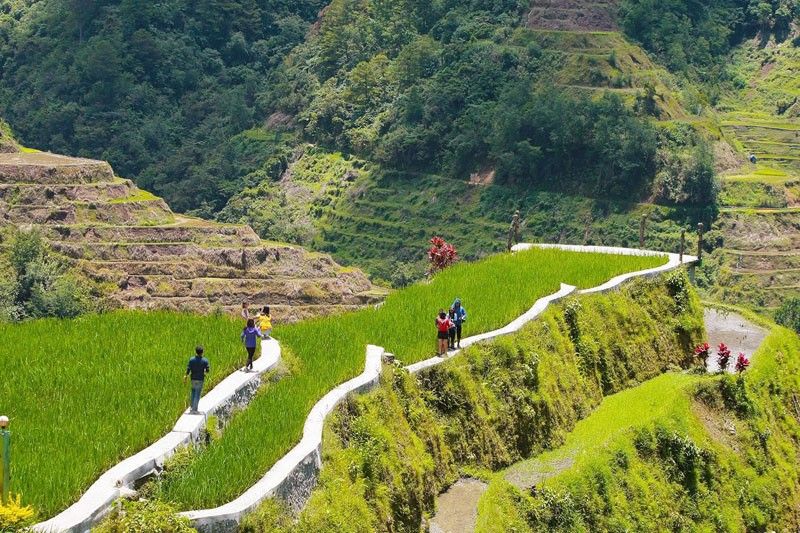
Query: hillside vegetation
331,350
388,454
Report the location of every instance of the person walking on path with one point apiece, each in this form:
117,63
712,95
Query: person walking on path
443,331
250,334
197,369
461,317
513,231
245,312
451,345
264,322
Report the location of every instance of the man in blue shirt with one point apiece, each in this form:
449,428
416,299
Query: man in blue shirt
461,317
197,368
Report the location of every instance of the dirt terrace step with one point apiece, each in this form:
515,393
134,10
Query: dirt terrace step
280,313
37,194
115,271
762,262
571,15
286,260
211,234
135,212
766,279
47,168
347,289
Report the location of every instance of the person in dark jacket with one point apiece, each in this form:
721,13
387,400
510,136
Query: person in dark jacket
461,317
250,334
197,369
452,331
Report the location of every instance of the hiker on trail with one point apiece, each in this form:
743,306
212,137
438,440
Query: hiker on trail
461,317
513,231
443,331
245,311
451,345
197,369
250,334
264,322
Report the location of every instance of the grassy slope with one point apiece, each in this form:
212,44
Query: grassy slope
83,394
657,456
389,453
331,350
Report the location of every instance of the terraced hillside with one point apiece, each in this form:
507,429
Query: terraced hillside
573,15
150,257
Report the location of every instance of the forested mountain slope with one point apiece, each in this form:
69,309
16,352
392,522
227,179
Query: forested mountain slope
363,127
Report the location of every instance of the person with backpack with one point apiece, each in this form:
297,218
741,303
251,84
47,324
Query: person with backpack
264,322
461,317
443,331
250,334
197,369
451,345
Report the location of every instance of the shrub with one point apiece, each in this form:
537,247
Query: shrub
441,255
789,314
723,356
14,516
742,362
144,517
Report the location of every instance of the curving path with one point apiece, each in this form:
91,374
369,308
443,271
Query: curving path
294,476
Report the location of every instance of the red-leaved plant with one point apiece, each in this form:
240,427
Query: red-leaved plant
742,362
441,255
702,351
723,356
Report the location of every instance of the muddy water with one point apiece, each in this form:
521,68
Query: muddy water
737,332
457,509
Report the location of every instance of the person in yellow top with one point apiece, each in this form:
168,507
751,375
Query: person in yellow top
264,322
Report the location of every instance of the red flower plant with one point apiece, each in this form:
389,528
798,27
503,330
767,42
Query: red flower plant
703,351
441,255
723,356
742,362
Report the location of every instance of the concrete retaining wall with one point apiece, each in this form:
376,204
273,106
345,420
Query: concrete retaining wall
294,476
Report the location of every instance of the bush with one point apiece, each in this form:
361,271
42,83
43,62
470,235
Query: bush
789,314
14,516
36,283
144,517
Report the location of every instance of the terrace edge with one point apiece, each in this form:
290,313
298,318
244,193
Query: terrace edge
294,476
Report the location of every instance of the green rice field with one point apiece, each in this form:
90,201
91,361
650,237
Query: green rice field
83,394
331,350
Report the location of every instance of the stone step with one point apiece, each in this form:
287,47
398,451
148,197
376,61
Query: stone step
573,15
47,168
209,233
114,271
756,261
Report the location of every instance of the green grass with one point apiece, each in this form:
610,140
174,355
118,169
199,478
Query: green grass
628,466
83,394
331,350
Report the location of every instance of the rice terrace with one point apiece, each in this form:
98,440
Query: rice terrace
352,266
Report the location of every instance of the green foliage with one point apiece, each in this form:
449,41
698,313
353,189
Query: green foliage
789,314
390,453
38,283
160,90
664,456
331,351
144,517
685,169
85,393
14,516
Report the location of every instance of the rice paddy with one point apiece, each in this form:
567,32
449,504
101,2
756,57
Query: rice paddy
83,394
331,350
